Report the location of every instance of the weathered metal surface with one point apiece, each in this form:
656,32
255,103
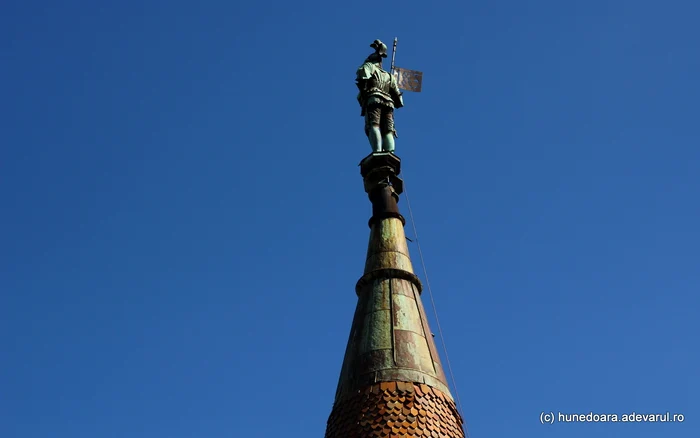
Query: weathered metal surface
376,336
390,339
368,278
379,295
395,409
394,260
387,247
378,96
390,335
411,351
439,372
383,176
409,80
405,314
379,169
403,374
375,160
373,361
403,288
388,235
384,205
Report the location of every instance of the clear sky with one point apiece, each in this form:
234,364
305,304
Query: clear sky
183,220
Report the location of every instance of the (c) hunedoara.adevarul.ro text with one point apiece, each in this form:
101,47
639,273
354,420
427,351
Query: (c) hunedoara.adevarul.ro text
591,417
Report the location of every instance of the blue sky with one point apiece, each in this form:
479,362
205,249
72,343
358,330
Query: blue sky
183,220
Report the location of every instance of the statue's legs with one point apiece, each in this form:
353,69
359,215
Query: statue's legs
379,127
388,131
388,142
373,116
375,138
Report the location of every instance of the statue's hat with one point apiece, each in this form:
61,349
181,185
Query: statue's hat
379,47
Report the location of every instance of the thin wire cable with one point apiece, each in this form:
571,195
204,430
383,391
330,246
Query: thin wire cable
437,319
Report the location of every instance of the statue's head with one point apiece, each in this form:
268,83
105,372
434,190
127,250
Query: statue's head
379,48
374,58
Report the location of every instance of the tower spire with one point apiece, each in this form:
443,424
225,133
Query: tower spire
391,383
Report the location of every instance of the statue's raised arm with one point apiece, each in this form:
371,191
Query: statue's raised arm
378,95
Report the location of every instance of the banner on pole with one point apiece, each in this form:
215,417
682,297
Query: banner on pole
409,80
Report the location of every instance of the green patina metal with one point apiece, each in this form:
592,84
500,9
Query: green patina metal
378,96
388,247
390,338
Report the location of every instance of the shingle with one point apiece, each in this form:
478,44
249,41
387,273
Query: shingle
391,408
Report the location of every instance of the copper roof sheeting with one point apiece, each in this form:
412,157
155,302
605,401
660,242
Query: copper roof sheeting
390,339
395,409
391,383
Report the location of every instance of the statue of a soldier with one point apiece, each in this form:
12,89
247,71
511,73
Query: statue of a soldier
379,95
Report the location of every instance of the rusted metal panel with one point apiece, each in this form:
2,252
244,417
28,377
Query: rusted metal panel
366,282
402,287
390,339
384,203
388,235
437,365
385,260
350,358
406,314
405,353
411,351
377,160
387,247
406,375
393,236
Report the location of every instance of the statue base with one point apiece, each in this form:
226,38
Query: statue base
381,169
380,172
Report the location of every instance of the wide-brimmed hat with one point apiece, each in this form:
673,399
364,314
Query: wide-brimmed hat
380,48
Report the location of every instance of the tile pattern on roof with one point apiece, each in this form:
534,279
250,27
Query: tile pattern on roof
395,409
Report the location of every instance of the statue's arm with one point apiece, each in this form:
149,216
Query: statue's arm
362,88
396,94
365,71
364,74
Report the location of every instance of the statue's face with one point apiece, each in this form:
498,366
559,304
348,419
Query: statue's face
375,58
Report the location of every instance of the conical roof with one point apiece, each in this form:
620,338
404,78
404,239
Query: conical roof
391,382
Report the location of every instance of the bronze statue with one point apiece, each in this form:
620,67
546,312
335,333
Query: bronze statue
379,95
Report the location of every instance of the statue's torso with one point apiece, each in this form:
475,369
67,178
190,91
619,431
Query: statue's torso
378,84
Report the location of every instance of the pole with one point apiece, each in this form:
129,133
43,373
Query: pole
393,54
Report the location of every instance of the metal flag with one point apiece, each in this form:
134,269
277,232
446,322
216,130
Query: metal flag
409,80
